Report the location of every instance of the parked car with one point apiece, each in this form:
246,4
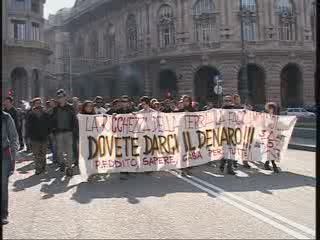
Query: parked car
300,113
283,111
311,108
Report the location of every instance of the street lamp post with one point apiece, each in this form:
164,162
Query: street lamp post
218,88
70,72
244,91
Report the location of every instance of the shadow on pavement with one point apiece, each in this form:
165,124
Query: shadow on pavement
58,186
27,168
255,181
157,184
34,180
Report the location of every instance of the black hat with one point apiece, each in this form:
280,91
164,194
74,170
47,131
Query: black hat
61,93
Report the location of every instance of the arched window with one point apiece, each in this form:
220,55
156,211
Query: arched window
249,16
166,25
80,47
109,38
132,33
204,20
94,45
287,20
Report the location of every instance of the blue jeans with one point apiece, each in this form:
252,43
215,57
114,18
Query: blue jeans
7,167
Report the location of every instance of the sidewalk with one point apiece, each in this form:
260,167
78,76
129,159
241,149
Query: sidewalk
304,144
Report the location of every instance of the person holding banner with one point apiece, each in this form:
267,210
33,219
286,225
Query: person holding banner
145,104
88,108
187,104
237,105
187,107
115,107
166,106
126,105
273,109
156,106
227,104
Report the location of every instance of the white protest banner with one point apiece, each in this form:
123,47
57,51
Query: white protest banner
162,141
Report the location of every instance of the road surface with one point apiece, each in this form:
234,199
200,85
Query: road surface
255,204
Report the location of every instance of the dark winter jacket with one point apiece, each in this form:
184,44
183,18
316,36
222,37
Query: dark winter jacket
38,126
64,119
187,109
228,106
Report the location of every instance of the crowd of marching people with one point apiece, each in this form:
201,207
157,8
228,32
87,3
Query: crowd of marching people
53,127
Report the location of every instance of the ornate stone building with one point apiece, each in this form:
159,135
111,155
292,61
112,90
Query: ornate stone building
161,47
25,54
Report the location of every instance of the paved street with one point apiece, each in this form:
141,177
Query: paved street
254,204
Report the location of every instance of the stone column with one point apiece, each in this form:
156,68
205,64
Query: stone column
273,82
185,78
229,72
147,80
29,84
308,79
300,20
42,84
221,7
273,16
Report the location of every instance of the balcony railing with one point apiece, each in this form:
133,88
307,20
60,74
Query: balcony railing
28,44
24,12
88,65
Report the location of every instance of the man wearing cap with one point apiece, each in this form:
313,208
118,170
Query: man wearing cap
65,123
98,101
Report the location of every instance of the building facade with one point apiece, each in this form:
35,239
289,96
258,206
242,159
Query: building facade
24,54
175,47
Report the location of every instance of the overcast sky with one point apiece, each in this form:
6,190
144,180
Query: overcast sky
52,6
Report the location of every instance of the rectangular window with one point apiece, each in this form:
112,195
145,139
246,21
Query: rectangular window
19,30
249,31
203,32
35,6
286,32
249,5
20,4
35,32
166,37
